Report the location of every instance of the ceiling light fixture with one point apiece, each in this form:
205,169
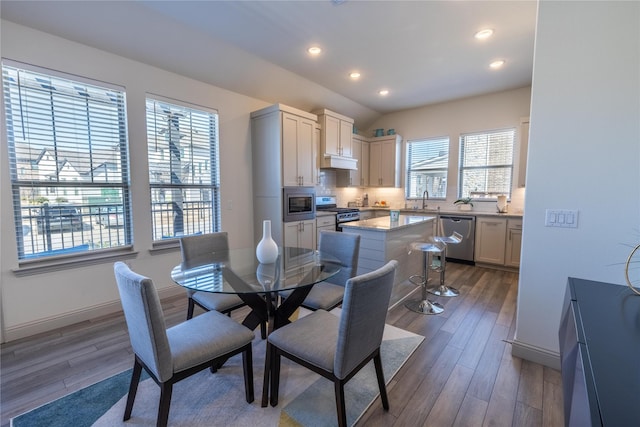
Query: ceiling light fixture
355,75
484,34
497,64
383,92
314,50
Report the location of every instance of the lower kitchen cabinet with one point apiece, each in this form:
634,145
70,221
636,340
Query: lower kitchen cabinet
324,222
300,234
514,243
498,241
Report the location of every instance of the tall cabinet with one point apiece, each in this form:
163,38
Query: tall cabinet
283,154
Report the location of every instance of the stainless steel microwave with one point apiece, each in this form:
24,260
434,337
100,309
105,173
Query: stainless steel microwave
299,203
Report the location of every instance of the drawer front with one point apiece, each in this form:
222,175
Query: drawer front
322,221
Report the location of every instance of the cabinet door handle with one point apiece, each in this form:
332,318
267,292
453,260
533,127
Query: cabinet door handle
492,223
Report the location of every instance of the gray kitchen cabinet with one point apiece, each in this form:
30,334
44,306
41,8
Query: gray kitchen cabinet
301,234
490,240
514,243
360,176
282,140
367,214
498,241
336,133
298,164
324,222
384,161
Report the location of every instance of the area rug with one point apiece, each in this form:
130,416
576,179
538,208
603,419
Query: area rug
206,399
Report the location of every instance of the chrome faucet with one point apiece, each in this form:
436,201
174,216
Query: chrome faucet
425,197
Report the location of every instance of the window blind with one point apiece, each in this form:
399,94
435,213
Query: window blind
427,167
184,175
69,167
486,164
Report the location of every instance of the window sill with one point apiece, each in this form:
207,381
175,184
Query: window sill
59,263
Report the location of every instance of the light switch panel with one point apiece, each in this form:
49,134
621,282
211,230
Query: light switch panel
561,218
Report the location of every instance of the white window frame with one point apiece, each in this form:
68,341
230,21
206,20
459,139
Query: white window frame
184,177
78,124
432,163
486,164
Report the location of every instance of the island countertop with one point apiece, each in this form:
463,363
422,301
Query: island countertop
385,224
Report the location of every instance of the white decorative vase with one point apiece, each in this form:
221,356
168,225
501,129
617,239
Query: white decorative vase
267,249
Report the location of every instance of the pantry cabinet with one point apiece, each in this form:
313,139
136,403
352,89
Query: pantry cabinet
498,241
384,161
283,155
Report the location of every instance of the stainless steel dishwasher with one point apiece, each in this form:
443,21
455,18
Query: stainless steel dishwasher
465,225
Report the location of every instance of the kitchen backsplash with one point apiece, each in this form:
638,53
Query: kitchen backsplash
394,197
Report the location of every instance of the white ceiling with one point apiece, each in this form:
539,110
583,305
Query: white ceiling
423,52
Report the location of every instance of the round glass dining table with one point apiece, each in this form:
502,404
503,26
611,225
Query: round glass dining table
237,271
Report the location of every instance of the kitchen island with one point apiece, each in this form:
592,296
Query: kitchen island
382,240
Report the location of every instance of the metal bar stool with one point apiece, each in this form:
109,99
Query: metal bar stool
441,289
424,305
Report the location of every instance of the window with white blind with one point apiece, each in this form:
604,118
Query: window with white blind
486,164
183,168
427,166
69,166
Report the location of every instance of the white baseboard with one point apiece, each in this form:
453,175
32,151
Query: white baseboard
59,321
536,354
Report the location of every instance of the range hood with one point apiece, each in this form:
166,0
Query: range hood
331,161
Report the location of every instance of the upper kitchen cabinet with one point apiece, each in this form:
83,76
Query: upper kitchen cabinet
283,151
358,177
335,140
384,161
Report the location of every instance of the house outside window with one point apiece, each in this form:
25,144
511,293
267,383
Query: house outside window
183,152
68,139
486,164
427,166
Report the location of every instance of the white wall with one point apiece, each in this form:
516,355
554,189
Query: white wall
584,154
498,110
43,301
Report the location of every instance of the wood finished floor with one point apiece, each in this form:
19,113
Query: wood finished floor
463,373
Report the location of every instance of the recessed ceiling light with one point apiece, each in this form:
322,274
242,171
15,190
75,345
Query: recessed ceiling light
484,34
314,50
383,92
497,64
355,75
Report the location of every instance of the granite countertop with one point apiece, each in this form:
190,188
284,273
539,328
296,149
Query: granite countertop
384,223
445,212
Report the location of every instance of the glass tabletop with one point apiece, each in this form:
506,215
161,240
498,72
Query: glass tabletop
237,271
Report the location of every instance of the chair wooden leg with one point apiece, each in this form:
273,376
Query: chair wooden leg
275,375
165,401
190,308
263,330
267,375
377,361
247,365
340,404
133,389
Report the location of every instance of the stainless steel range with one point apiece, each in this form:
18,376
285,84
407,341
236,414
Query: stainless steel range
329,204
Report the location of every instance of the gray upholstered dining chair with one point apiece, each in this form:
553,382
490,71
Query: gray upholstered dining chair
345,247
337,348
170,355
196,250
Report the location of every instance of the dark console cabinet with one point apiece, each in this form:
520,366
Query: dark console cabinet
600,354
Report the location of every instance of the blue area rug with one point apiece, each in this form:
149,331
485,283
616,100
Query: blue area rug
206,399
